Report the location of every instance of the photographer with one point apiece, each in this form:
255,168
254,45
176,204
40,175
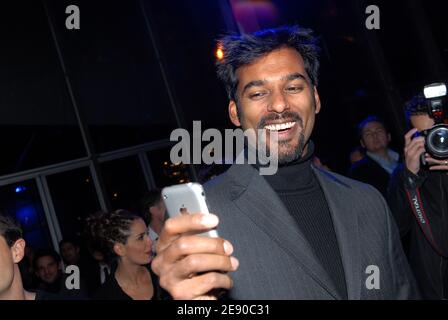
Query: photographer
417,196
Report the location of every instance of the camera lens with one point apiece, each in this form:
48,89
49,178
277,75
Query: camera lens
437,141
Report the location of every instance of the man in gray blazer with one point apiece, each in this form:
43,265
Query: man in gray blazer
302,233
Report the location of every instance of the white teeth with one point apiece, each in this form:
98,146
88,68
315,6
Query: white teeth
280,126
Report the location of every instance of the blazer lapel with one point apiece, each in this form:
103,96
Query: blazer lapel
256,199
345,221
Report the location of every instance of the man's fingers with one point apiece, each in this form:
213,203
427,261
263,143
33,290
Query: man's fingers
415,142
437,167
190,245
431,160
198,263
187,245
436,164
408,136
198,287
180,224
415,147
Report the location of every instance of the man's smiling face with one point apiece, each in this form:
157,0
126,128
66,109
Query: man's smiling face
275,93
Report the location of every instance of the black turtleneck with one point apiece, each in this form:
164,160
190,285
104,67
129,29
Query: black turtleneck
299,189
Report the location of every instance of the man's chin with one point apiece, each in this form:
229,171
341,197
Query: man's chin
287,154
288,157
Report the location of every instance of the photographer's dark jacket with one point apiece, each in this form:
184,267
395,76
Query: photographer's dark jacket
429,266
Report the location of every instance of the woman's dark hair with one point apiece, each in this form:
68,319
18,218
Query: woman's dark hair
9,230
240,50
104,230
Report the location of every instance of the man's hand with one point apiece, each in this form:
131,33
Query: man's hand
413,149
190,266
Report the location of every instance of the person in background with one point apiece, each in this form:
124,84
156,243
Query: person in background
417,196
12,251
103,266
72,254
123,236
357,154
154,213
26,267
52,278
380,161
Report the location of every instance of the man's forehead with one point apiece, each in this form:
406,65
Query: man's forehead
373,125
46,260
275,64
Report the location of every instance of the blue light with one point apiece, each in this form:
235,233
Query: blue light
20,189
27,215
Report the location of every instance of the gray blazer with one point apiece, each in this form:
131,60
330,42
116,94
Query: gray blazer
276,261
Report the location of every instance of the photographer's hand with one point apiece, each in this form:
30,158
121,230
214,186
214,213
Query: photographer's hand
435,164
413,149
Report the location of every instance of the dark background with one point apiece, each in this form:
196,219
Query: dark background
117,82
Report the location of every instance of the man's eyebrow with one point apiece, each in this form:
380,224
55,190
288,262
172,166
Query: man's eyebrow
294,76
254,83
258,83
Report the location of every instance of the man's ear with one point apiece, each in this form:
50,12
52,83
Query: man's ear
233,113
119,249
18,250
362,143
317,99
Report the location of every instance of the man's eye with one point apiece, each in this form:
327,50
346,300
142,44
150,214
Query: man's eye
294,89
257,95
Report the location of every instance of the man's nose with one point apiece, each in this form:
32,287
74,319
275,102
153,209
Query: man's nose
278,102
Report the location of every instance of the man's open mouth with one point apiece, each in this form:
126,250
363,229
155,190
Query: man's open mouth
280,127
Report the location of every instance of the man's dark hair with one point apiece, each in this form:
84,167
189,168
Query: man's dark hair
9,229
151,198
240,50
46,253
417,105
368,120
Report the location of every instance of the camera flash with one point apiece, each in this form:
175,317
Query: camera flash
434,90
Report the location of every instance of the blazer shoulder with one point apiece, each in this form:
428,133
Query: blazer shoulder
218,187
346,182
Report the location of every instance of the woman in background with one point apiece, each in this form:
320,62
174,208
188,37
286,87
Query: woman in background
123,236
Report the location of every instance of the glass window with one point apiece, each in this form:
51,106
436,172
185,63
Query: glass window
36,113
22,202
74,198
186,33
166,173
115,74
125,183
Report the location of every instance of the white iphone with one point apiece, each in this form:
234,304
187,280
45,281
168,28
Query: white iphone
187,197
